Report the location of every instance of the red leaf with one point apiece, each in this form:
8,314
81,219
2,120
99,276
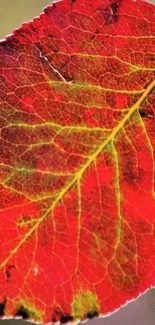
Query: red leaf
77,119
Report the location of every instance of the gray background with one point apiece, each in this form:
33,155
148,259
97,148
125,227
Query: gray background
141,312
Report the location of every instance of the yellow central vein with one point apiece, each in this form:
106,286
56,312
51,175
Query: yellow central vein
81,171
76,85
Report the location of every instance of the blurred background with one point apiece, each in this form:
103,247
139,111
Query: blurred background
142,311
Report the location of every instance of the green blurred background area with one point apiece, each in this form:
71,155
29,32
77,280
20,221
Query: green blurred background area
141,312
14,12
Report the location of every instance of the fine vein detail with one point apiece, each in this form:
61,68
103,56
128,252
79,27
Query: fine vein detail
82,170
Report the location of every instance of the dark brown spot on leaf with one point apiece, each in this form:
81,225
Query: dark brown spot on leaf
111,13
65,319
92,314
93,36
8,271
2,308
51,35
54,319
23,313
114,8
146,114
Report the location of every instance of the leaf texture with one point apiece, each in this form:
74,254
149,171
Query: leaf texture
77,160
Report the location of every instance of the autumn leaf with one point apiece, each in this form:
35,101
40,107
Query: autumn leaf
77,160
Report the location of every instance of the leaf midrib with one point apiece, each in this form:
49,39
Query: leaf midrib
82,170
